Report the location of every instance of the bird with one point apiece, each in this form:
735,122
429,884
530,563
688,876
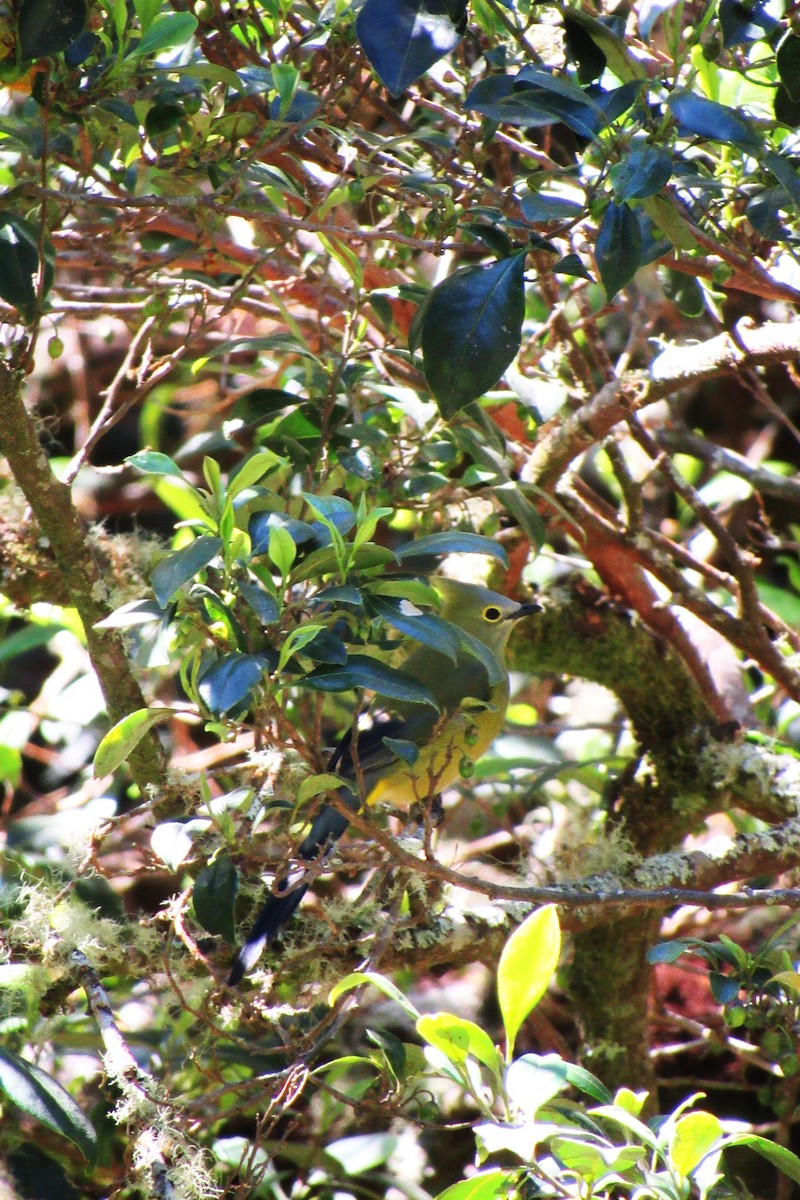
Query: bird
413,752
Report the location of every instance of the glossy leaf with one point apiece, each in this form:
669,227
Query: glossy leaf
641,173
118,743
612,45
228,684
40,1096
618,249
527,964
19,264
414,622
455,542
472,330
706,118
262,602
182,565
167,30
788,63
404,38
785,1160
741,23
214,896
47,27
152,462
362,671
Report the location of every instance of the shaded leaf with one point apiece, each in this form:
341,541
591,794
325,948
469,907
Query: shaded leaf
454,542
472,330
362,671
643,172
618,249
708,119
228,684
424,627
214,896
166,31
182,565
403,38
38,1095
751,22
47,27
788,63
19,264
779,1156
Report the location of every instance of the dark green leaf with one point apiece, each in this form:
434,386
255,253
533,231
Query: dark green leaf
362,671
403,38
670,952
583,50
454,542
741,23
708,119
787,110
610,41
643,172
262,523
471,331
19,264
779,1156
214,896
182,565
262,602
788,62
326,647
424,627
684,291
407,752
38,1095
492,236
228,684
541,206
618,248
391,1047
784,172
47,27
724,989
571,264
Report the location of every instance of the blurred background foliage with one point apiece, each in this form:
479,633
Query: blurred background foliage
298,303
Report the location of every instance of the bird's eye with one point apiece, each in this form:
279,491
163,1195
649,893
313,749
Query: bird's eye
492,613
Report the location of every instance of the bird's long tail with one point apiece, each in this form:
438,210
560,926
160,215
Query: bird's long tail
328,826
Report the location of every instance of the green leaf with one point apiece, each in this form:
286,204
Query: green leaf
152,462
281,550
472,330
788,63
641,173
403,38
315,785
621,62
360,978
19,264
167,30
695,1135
706,118
124,737
228,684
779,1156
485,1185
618,249
454,542
527,964
182,565
362,671
424,627
47,27
38,1095
214,896
458,1038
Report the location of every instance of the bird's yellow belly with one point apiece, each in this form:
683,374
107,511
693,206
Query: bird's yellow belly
457,743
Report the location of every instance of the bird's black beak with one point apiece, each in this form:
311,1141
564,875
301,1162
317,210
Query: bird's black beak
524,610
